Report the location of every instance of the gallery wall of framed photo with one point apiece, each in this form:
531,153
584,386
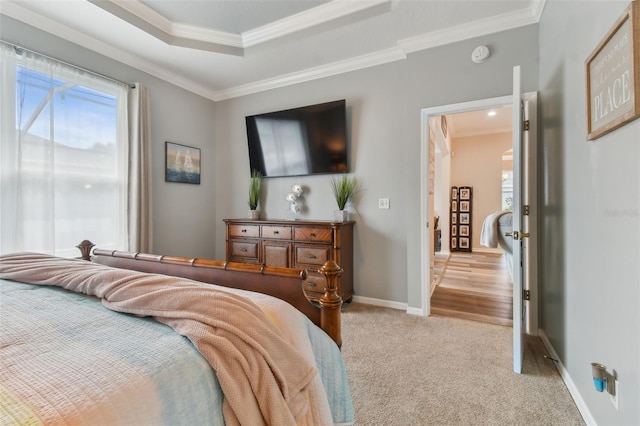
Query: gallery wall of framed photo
460,210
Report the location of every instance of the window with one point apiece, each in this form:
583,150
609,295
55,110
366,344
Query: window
63,157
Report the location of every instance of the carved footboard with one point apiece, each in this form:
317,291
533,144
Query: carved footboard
283,283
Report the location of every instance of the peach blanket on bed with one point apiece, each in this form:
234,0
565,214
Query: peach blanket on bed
264,379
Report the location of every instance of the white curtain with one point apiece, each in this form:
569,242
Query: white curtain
140,208
63,156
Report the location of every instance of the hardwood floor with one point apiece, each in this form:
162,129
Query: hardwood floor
475,286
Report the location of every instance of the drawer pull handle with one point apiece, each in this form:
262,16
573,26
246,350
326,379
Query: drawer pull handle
310,284
244,230
276,232
313,234
244,250
311,256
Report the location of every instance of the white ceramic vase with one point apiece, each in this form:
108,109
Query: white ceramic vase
254,214
340,215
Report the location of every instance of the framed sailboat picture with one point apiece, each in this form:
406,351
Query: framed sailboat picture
182,163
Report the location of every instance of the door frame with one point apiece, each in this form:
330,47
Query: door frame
530,155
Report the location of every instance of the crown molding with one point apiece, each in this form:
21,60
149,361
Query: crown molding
537,7
45,24
335,68
139,10
466,31
179,34
481,27
175,34
327,12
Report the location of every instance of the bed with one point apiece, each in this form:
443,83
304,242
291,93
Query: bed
131,338
494,232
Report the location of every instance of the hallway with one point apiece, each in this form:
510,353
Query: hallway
475,286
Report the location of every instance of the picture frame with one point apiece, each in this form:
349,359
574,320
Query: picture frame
182,163
454,206
464,230
464,206
454,231
454,193
465,193
454,219
464,218
454,243
613,76
463,243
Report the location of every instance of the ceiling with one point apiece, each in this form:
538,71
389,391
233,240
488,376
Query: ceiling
480,122
222,49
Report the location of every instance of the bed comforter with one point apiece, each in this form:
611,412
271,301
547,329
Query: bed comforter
67,359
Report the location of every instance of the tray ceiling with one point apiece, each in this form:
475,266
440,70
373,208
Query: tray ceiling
226,48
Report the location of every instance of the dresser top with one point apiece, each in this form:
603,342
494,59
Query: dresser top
290,222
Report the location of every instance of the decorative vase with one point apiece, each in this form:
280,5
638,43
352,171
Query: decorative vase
340,215
254,214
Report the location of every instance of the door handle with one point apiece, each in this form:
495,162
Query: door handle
517,235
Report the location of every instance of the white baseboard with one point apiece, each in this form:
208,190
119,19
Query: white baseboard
415,311
573,390
379,302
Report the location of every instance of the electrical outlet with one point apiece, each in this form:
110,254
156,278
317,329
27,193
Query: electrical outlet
383,203
615,398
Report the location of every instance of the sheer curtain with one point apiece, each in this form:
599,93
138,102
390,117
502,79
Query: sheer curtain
63,156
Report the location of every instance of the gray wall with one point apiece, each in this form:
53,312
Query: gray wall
183,214
590,216
384,105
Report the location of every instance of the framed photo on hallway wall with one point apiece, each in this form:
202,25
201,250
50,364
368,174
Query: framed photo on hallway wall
461,224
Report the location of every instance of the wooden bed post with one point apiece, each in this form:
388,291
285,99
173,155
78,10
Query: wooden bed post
85,249
331,302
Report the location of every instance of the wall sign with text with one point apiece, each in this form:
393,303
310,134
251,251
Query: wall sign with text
613,76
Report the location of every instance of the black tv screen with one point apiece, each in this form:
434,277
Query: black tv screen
299,141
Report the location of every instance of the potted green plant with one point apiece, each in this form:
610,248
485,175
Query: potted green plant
255,190
344,189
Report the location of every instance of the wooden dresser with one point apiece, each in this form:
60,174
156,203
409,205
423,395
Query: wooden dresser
295,244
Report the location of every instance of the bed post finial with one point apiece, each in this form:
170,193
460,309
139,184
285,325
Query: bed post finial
85,249
331,302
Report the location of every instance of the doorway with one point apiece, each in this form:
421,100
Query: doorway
474,282
431,115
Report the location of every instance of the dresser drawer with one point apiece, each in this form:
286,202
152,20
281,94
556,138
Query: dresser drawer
311,255
244,231
276,232
244,251
276,253
306,233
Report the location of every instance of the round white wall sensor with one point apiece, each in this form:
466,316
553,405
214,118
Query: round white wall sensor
480,54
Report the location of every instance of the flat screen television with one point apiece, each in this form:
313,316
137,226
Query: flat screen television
299,141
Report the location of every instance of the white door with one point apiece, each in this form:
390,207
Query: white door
518,300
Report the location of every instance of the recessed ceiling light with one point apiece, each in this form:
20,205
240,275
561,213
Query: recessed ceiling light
491,113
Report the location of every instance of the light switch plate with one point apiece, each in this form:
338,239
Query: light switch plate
383,203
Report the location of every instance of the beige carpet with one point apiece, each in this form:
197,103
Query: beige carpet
409,370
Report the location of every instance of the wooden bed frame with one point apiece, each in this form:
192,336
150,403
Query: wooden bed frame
283,283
